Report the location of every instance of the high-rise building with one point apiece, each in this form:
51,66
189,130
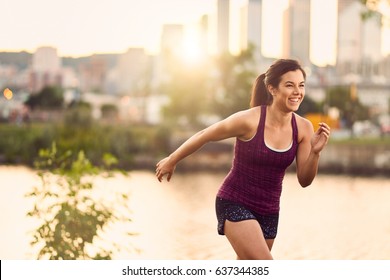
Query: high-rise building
359,41
254,23
250,27
343,4
204,35
46,59
223,26
93,74
172,43
132,71
45,69
296,31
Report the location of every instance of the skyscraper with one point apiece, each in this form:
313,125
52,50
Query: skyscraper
223,26
132,69
204,34
46,69
359,41
296,33
46,59
250,27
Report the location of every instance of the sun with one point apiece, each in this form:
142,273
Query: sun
192,50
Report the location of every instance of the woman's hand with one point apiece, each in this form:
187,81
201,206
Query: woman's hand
320,138
165,167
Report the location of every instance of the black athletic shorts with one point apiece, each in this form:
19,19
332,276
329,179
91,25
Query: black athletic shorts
235,212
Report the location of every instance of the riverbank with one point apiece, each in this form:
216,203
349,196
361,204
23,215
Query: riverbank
354,158
362,159
140,147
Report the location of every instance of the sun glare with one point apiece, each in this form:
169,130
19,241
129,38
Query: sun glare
192,52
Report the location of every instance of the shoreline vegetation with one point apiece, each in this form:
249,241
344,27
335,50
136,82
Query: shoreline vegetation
140,146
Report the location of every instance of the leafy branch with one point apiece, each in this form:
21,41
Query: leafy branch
72,218
375,8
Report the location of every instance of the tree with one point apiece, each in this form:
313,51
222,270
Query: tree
72,219
375,8
351,109
307,106
79,115
50,97
220,89
234,82
109,111
186,89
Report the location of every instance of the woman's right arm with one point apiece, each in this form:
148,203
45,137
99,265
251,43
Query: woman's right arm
237,125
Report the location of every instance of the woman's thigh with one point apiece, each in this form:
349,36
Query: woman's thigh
247,240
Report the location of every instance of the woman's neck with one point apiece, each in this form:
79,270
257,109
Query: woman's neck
276,117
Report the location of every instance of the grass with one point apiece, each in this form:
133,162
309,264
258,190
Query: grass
362,141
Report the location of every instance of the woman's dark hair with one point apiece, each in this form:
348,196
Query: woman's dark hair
260,94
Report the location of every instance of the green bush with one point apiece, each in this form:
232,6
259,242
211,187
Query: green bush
21,144
71,218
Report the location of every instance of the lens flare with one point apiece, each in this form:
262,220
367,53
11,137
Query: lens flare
8,94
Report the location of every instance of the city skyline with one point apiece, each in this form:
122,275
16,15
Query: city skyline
79,28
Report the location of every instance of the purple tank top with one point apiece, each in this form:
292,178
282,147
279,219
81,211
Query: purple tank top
256,177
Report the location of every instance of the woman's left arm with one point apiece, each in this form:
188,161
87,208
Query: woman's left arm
309,150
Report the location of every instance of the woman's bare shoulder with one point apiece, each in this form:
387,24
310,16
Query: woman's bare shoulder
247,116
303,122
305,127
246,121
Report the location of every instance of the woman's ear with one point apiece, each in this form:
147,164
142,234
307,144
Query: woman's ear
271,90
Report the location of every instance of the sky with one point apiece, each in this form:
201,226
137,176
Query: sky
79,27
82,27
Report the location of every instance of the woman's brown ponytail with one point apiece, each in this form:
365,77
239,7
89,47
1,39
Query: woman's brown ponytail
260,95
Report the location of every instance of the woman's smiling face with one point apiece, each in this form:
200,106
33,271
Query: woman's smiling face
290,91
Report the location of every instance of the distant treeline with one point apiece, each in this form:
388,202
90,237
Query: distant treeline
23,59
141,146
21,144
20,59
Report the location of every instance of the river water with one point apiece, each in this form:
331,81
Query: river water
337,217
